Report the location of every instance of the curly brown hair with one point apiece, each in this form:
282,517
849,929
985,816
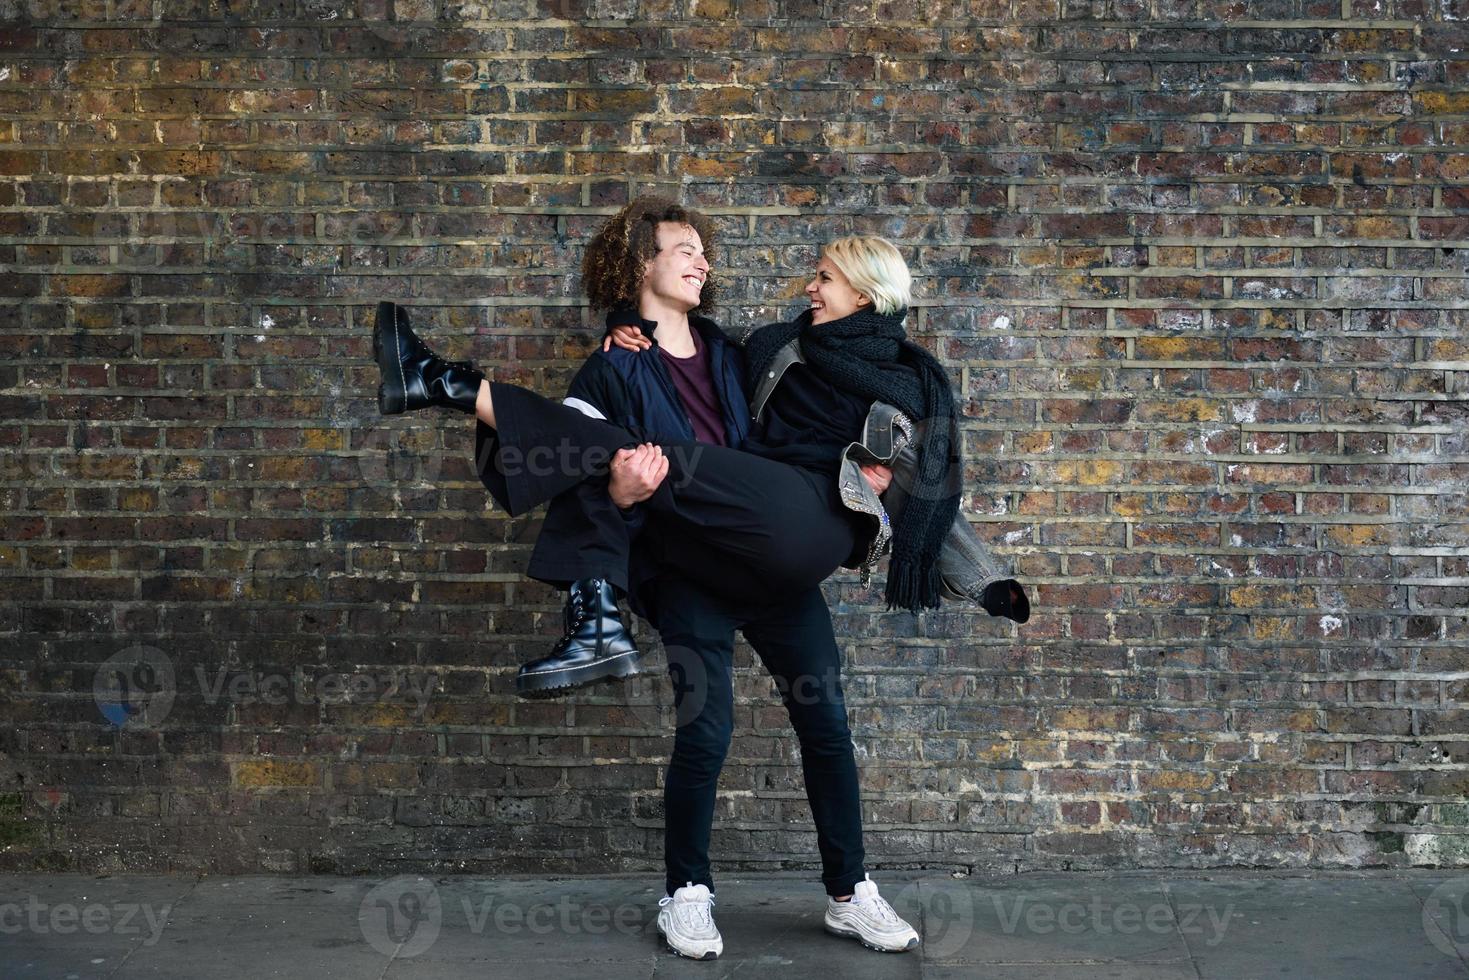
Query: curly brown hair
612,270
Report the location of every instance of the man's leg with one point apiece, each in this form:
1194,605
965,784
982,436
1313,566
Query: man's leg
796,643
698,635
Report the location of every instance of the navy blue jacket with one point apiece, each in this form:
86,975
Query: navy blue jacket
634,389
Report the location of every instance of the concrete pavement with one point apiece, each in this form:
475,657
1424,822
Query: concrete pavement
1231,924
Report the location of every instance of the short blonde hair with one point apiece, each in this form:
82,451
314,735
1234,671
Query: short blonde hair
874,267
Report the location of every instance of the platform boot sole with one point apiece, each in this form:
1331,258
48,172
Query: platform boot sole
559,683
392,394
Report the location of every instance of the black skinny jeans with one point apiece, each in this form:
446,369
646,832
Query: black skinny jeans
794,640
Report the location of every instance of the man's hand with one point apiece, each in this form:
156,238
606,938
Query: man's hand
626,336
636,473
878,476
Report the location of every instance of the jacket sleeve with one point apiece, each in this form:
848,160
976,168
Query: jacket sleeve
600,391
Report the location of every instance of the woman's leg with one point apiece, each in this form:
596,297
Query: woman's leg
786,524
784,527
796,643
537,449
484,405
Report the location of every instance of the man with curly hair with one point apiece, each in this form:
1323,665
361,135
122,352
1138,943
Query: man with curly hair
649,267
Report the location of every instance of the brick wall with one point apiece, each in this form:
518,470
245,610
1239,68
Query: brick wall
1199,266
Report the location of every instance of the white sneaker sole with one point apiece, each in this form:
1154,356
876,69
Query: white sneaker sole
854,934
709,954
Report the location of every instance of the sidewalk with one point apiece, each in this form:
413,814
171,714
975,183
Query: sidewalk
1231,924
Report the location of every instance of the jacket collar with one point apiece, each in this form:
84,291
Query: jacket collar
708,330
630,315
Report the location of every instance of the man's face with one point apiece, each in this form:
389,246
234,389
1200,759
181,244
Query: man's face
676,275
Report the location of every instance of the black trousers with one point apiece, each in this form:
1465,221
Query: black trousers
741,542
747,527
794,640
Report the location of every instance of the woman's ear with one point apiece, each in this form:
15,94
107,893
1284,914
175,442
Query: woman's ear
863,300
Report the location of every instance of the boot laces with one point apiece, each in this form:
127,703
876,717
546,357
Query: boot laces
578,608
574,620
445,362
424,348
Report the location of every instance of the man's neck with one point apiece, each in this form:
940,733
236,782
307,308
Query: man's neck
675,334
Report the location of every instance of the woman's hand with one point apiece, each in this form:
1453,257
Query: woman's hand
636,473
878,476
626,336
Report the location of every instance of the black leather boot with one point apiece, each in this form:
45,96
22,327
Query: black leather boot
414,376
596,645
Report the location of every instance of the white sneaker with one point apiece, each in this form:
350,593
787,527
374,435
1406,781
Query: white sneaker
868,918
686,921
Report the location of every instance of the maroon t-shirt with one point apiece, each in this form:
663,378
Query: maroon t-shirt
696,390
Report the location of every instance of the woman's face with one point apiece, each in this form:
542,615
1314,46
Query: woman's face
677,273
831,294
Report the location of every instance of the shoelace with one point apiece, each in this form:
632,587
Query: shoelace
700,911
879,907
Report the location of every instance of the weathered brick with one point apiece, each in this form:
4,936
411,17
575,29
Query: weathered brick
1139,306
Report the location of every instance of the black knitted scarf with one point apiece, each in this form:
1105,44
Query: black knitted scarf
869,354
